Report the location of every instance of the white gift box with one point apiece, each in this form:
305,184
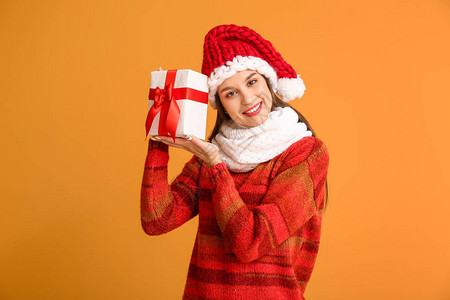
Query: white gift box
189,89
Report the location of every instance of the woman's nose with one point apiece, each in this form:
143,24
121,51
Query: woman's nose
247,97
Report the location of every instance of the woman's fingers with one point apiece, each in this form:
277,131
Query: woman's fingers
178,140
205,150
169,141
182,143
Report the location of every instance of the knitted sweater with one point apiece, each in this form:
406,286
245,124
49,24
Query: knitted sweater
258,232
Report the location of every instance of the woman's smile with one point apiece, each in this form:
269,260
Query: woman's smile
253,110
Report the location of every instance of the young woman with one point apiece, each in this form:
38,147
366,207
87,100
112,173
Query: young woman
258,185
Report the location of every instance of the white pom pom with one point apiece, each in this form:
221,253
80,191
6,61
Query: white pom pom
290,88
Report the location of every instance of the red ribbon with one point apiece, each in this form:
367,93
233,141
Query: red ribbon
165,102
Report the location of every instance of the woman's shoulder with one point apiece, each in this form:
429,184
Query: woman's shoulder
307,149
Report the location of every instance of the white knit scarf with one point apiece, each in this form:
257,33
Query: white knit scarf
242,149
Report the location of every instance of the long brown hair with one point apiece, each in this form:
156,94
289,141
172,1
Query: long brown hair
276,102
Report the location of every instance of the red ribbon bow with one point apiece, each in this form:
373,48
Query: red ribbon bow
159,97
165,102
167,105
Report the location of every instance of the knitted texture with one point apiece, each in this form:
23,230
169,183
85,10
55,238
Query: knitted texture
243,149
258,232
224,42
225,50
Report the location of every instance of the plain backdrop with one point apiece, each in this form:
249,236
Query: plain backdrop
74,79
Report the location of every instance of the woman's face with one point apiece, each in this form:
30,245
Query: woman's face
246,98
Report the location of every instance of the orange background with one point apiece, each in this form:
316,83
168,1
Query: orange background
74,83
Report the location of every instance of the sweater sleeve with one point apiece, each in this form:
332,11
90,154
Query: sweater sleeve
165,207
295,195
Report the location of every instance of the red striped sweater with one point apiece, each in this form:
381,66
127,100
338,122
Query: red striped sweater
258,232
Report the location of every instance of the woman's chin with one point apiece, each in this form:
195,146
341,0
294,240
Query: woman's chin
254,122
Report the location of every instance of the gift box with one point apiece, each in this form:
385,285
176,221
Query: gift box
178,103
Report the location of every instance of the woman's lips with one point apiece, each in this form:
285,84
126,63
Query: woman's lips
259,105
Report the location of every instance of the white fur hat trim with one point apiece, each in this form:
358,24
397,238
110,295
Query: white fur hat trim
288,88
239,63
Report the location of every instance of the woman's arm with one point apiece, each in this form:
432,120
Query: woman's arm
165,207
293,197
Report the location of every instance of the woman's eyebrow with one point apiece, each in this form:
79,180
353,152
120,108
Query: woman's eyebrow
249,76
224,89
228,87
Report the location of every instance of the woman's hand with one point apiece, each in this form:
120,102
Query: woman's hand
208,152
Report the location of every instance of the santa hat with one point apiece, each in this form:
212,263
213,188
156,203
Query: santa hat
229,49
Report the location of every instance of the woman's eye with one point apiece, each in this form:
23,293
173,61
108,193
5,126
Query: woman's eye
231,94
252,82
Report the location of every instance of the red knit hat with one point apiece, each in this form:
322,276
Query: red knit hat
229,49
